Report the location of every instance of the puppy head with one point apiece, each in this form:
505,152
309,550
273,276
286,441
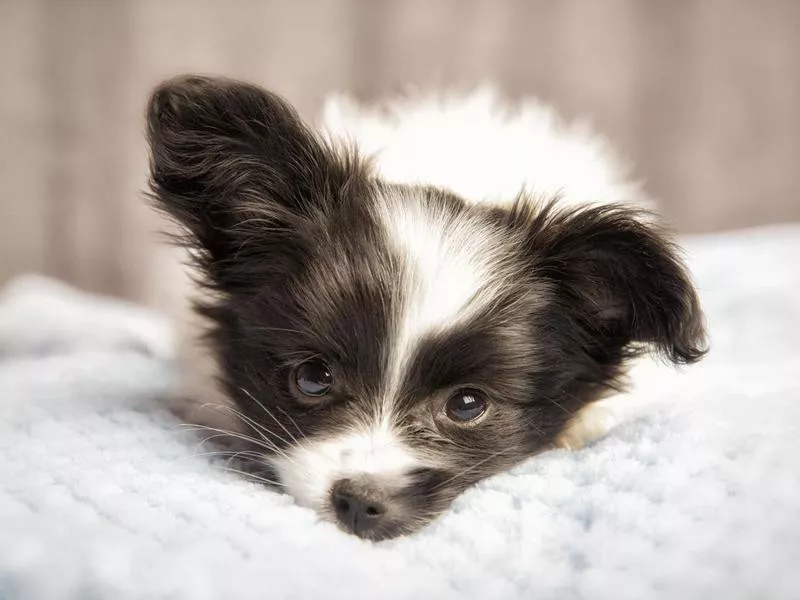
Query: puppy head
390,345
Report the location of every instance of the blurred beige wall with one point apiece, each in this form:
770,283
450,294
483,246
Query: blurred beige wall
703,96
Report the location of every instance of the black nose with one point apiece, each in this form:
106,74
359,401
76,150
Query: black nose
358,507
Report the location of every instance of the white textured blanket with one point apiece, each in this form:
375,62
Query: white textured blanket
102,495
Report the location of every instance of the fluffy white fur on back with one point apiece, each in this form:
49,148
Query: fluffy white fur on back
483,149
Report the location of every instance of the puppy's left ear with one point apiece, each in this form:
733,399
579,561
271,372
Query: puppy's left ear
241,173
621,278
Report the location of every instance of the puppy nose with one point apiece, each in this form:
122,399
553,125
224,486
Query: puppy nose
358,507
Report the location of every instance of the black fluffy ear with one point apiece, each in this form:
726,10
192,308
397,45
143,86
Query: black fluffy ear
238,169
621,277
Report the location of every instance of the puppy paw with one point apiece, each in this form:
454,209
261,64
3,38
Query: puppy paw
589,425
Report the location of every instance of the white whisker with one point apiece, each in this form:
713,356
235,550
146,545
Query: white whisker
267,411
223,453
470,468
252,476
569,412
296,426
235,435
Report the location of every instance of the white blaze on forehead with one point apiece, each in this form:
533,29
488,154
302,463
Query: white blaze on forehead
310,469
447,263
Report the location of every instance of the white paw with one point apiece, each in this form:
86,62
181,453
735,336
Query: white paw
590,424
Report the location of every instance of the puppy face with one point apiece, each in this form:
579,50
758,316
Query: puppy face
395,344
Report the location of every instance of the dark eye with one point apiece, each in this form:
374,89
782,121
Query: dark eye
465,405
313,378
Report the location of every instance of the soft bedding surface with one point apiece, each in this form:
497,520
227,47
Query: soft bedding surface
103,495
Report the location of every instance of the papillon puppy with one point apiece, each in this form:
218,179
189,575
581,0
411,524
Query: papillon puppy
411,298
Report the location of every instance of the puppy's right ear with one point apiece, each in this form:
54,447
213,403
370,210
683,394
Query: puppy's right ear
238,169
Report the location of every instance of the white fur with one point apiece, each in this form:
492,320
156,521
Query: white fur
310,469
481,149
451,268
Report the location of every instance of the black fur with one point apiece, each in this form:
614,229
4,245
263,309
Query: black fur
282,227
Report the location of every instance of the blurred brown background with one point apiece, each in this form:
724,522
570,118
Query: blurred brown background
703,96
